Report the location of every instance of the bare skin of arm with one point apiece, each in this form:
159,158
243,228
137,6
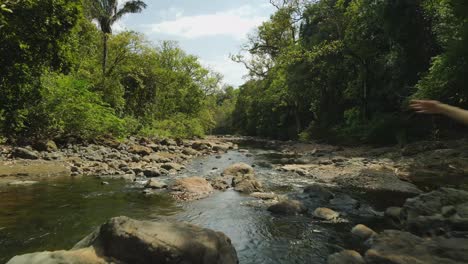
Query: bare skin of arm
436,107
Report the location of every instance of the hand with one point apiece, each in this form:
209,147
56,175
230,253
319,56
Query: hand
427,106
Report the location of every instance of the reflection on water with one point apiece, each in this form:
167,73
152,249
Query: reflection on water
57,214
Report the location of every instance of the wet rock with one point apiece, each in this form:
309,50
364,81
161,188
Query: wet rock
343,202
346,257
325,214
289,207
150,172
124,240
238,169
172,166
221,183
443,210
264,164
264,196
397,247
246,184
24,153
363,232
192,188
140,150
155,184
317,191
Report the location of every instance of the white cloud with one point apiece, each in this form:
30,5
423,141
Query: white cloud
235,23
233,72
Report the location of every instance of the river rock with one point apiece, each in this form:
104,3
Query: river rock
24,153
192,188
127,241
393,213
363,232
79,256
246,184
317,191
172,166
238,169
45,145
346,257
221,183
168,142
443,210
157,157
190,151
378,180
155,184
325,214
140,150
397,247
200,146
264,196
289,207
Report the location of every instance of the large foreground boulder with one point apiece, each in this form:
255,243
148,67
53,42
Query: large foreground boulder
397,247
126,241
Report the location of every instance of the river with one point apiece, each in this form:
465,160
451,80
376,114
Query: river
57,213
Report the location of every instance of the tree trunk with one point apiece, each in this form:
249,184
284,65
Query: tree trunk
104,54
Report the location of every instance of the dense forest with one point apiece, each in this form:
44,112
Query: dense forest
61,76
345,70
342,70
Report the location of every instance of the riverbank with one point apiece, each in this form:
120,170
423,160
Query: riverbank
291,197
111,159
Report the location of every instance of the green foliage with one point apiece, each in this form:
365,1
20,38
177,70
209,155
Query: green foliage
33,35
69,108
345,69
54,85
178,126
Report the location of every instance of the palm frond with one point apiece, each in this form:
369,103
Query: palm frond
135,6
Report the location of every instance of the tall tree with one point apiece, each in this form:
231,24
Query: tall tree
107,12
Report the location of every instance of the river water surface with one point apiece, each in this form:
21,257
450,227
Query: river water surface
56,214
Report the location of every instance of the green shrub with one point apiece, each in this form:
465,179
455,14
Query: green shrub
69,108
178,126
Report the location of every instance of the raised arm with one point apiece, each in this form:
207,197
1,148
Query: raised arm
436,107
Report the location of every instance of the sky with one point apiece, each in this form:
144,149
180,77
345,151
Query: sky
209,29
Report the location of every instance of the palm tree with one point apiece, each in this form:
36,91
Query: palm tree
106,13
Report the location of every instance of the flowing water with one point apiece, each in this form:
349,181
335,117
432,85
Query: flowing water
56,214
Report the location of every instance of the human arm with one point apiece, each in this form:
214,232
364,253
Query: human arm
436,107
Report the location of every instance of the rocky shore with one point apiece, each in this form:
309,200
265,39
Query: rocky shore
112,159
425,183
